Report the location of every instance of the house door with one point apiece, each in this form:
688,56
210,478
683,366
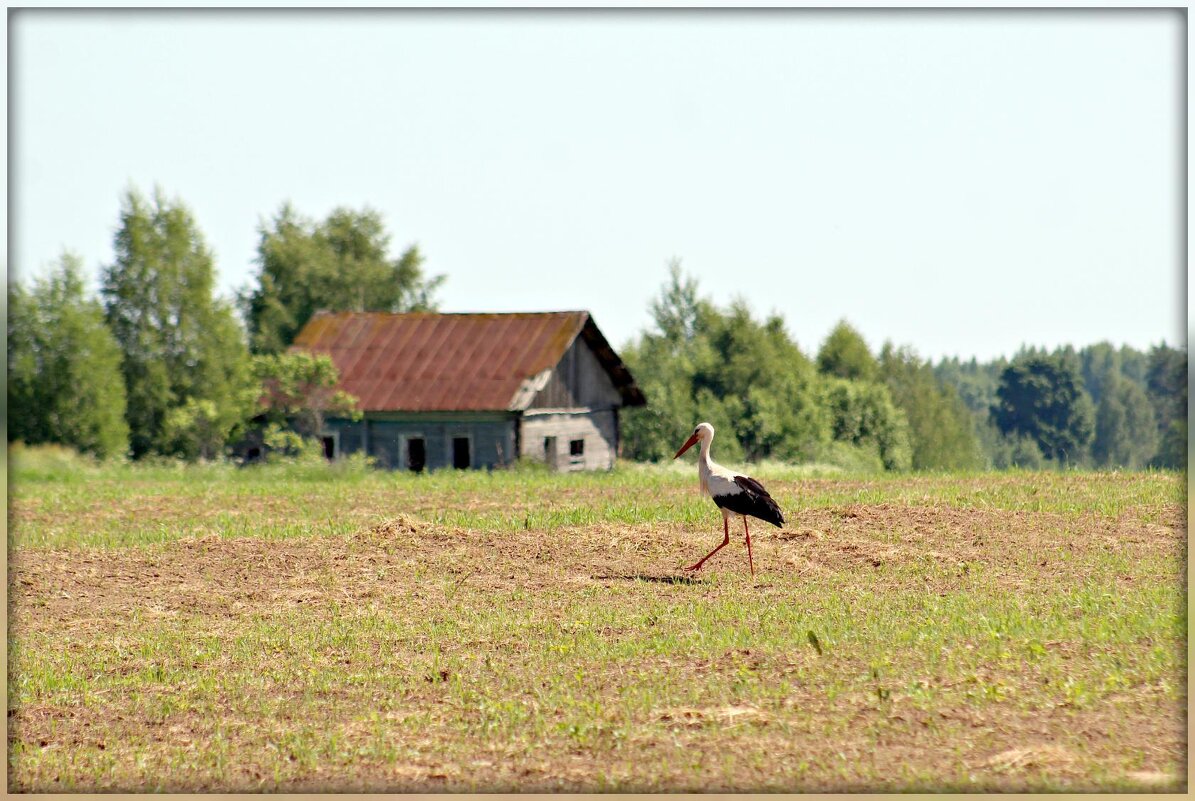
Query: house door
416,454
460,453
550,451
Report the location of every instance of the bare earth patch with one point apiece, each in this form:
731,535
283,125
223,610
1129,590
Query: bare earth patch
417,657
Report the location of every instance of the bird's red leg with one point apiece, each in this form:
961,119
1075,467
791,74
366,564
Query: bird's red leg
750,561
725,539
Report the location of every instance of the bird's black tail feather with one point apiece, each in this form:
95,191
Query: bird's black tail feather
772,514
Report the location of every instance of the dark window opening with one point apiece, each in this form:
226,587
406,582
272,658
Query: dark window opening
460,453
576,447
329,448
416,455
253,454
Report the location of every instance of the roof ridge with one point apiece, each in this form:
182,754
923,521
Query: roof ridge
327,313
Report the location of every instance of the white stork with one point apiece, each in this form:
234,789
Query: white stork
735,494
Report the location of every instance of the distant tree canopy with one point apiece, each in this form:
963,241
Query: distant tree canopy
862,414
898,411
746,378
942,432
762,383
64,381
974,381
1100,366
769,401
1042,396
184,361
339,264
845,354
1166,387
1111,396
1126,433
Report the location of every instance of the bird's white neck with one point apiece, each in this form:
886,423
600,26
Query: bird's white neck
705,465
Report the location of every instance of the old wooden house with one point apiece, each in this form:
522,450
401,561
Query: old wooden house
475,390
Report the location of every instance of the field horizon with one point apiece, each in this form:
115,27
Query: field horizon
304,629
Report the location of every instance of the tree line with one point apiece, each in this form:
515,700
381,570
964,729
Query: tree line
1095,407
158,365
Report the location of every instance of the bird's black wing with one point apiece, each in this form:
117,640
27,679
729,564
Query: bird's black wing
752,486
757,503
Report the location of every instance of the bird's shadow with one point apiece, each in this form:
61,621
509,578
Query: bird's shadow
669,579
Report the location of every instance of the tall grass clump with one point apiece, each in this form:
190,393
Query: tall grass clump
50,462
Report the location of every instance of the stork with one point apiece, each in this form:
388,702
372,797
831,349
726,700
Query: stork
735,494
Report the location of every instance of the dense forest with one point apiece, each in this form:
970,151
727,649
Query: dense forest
1099,406
158,366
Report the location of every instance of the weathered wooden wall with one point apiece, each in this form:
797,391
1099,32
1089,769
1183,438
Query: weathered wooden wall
578,402
597,429
578,382
491,440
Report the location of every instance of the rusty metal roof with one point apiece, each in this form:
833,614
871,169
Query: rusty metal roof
428,361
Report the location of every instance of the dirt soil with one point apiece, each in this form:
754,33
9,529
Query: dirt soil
89,596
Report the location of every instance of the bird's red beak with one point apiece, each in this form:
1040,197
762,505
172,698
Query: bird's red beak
688,444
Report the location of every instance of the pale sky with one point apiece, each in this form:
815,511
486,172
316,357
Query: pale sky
964,182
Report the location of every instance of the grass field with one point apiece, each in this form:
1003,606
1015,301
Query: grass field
308,629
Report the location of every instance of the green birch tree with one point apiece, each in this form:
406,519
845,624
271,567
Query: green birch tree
845,354
185,363
64,381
